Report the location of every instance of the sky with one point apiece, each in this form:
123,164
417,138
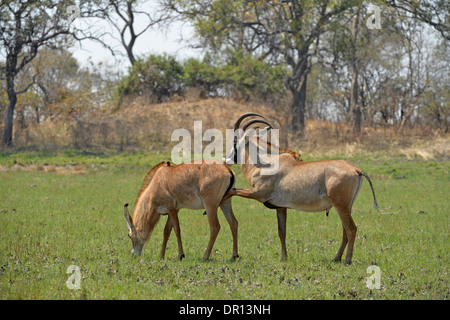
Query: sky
154,41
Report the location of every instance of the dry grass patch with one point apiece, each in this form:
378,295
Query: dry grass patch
58,169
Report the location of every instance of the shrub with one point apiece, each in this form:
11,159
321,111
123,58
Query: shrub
157,76
202,75
242,77
251,78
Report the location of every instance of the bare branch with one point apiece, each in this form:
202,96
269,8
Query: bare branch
434,13
122,16
28,86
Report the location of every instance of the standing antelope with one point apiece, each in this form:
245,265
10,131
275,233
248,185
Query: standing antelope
300,185
167,188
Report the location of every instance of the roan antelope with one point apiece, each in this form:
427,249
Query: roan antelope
301,185
167,188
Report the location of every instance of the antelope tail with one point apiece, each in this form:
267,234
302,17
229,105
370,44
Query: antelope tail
362,173
230,190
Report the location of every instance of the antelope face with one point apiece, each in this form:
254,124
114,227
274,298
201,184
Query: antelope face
136,240
241,134
232,156
240,143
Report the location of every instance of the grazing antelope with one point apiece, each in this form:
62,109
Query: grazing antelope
301,185
167,188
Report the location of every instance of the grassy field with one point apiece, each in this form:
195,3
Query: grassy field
58,210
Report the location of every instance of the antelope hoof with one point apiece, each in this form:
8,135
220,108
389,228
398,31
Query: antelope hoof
234,258
181,256
347,262
337,259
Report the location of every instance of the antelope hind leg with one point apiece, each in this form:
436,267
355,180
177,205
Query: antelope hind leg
214,227
167,231
339,253
349,234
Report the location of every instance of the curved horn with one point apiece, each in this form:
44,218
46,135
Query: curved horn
253,121
242,117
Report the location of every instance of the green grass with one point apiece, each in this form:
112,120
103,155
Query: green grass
50,221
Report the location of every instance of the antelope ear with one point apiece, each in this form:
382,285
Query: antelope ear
262,132
128,218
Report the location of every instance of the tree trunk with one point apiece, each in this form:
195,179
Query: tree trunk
130,54
9,113
297,86
298,107
354,105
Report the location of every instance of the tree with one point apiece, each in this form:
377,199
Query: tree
394,64
25,27
284,32
436,109
55,73
123,17
350,49
351,52
435,13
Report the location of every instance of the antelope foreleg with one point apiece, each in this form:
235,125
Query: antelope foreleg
173,214
250,194
281,217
